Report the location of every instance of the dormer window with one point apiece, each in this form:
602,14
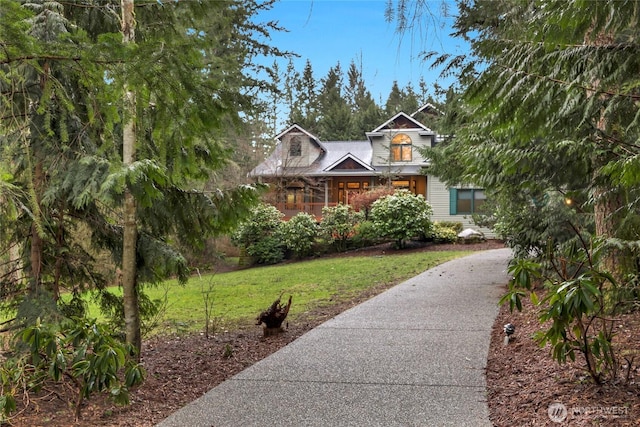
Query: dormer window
295,147
401,148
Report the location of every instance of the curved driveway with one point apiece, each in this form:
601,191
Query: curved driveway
411,356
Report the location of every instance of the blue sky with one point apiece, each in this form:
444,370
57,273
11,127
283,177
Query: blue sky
330,31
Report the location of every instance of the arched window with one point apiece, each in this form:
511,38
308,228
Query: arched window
401,148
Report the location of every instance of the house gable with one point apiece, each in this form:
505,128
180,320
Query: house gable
348,162
402,121
298,148
396,143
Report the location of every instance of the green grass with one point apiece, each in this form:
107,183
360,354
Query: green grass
239,296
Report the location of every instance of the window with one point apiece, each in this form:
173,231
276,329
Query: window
401,148
401,184
346,192
294,198
295,147
466,200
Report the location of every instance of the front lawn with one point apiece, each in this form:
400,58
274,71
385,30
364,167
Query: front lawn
237,297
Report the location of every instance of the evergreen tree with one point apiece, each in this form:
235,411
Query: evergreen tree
335,117
366,115
551,107
63,74
393,104
305,106
276,95
410,102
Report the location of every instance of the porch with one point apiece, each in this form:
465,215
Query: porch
311,197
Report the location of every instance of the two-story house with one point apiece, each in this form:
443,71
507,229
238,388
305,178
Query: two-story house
307,174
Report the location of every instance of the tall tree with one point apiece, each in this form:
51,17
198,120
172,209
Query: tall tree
335,117
130,232
365,113
304,108
64,67
552,104
393,105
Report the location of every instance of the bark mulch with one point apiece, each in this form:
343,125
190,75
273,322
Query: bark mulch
528,388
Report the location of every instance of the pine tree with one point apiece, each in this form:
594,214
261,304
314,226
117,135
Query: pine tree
366,115
393,105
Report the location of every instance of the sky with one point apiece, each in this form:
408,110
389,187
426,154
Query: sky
330,31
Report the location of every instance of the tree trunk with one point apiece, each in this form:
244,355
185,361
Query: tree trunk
57,272
130,235
609,206
607,209
37,244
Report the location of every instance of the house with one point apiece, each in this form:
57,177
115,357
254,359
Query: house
307,174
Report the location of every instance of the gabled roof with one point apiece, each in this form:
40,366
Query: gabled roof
345,159
404,118
427,108
297,128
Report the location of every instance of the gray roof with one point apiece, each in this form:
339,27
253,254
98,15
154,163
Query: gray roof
332,153
335,152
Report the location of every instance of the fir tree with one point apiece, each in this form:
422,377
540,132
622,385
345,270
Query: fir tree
64,70
335,118
305,106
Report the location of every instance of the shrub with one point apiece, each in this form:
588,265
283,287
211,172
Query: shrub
532,225
578,312
402,216
268,250
454,225
260,234
77,349
362,202
299,233
365,234
338,225
444,234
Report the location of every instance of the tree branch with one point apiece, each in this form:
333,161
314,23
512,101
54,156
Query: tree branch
566,83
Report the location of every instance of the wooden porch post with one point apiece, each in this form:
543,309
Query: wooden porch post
326,192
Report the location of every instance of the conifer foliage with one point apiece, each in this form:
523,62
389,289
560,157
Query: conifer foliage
63,73
548,121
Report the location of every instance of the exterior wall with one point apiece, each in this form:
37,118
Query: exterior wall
438,196
309,151
381,147
380,154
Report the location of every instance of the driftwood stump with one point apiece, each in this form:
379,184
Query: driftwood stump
272,318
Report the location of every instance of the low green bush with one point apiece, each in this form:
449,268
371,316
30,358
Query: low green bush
338,225
454,225
267,250
261,235
365,235
299,234
402,216
444,234
77,351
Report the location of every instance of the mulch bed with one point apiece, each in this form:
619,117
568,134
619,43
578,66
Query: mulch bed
523,381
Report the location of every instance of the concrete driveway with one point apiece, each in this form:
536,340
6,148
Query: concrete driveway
412,356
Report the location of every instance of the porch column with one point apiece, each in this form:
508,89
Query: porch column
326,193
